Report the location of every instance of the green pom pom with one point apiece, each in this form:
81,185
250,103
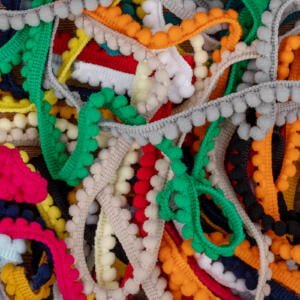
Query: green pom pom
82,173
87,159
5,67
181,216
180,200
27,56
139,120
94,115
24,71
119,101
213,255
16,59
93,130
178,167
187,231
60,147
46,106
56,134
25,86
197,246
97,99
92,145
128,111
108,94
51,119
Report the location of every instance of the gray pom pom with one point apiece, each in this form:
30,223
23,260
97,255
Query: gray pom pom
198,118
264,123
291,117
4,25
267,94
256,133
61,9
264,108
263,48
91,4
171,131
46,14
248,77
239,105
16,22
264,33
263,63
238,118
274,4
155,137
141,140
296,94
267,18
105,2
184,125
244,131
32,19
252,64
76,7
243,86
226,109
261,77
282,94
252,99
212,113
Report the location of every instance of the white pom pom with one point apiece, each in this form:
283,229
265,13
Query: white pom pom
108,258
32,19
171,131
46,14
17,22
296,94
16,134
229,276
226,109
264,33
140,273
91,4
212,113
291,117
19,245
267,94
61,10
204,261
109,242
4,25
218,268
267,290
198,118
264,122
76,7
244,131
155,137
256,133
150,243
146,259
282,94
261,77
5,125
131,286
240,284
238,118
252,99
